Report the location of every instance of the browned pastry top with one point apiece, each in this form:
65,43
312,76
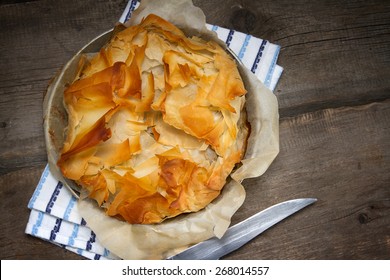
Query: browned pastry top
156,123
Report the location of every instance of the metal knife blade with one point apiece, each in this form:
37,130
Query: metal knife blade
239,234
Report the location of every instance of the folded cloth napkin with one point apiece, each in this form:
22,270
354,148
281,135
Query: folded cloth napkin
54,216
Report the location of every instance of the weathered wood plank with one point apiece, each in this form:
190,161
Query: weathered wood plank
338,55
334,53
342,157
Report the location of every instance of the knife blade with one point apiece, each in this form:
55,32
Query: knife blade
241,233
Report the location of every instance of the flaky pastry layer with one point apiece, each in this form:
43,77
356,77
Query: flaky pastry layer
156,123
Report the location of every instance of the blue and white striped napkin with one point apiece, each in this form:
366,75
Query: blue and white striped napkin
54,216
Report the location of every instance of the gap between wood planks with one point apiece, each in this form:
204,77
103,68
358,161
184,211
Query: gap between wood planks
293,112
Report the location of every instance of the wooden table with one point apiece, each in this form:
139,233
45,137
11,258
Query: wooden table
334,99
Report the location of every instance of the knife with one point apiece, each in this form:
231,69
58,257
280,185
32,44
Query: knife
239,234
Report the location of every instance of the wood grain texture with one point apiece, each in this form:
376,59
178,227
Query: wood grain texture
354,194
334,53
334,98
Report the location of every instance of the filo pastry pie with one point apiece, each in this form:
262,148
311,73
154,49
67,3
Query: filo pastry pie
156,123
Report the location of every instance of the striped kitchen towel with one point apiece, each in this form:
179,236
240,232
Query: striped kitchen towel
54,216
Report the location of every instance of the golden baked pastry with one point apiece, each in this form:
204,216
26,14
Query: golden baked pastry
156,123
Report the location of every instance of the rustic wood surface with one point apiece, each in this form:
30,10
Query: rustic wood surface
334,99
